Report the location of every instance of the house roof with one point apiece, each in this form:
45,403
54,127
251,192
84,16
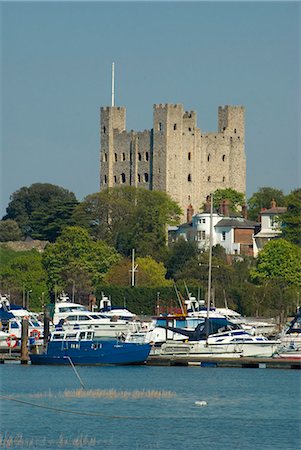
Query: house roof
274,210
237,222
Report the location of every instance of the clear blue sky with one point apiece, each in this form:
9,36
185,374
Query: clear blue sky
56,63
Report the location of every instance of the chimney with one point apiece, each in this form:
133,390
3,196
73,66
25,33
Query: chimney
207,204
226,208
244,211
189,213
221,208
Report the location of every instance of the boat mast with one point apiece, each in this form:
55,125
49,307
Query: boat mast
210,264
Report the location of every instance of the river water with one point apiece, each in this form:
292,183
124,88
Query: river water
238,409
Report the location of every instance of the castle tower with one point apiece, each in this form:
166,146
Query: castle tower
112,123
231,123
174,152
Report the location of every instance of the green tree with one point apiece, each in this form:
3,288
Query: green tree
41,210
128,217
149,273
291,220
262,199
178,255
9,231
76,256
279,261
22,273
236,199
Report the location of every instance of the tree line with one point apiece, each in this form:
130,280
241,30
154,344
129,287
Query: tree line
91,242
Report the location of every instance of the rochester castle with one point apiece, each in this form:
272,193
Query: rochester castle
175,156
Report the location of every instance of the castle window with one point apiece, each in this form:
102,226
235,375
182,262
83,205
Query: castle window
189,177
189,129
139,156
146,177
189,156
115,179
208,158
224,179
104,130
139,178
104,157
115,157
209,178
175,127
105,179
223,157
123,156
122,178
160,126
146,156
224,128
235,130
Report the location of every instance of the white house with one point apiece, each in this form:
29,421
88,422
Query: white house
270,225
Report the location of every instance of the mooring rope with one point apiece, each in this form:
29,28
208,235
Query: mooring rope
70,411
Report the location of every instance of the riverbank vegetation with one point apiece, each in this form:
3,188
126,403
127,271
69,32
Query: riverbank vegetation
90,243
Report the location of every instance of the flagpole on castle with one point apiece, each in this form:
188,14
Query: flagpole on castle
113,83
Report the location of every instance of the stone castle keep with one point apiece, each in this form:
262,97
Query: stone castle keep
175,156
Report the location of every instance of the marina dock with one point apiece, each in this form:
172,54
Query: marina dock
155,360
248,363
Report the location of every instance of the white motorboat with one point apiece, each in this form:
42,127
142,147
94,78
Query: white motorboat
290,339
11,316
74,315
218,337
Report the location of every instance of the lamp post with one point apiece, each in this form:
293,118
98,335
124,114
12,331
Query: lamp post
27,298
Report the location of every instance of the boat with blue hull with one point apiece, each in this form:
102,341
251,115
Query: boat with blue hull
82,348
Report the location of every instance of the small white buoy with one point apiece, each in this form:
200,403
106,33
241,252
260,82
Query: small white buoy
201,403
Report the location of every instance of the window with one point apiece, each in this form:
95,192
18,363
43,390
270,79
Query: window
189,156
139,156
160,126
223,236
146,156
224,179
175,127
105,179
115,157
115,179
189,177
146,177
203,235
208,158
223,157
122,178
204,220
139,179
104,157
209,178
104,130
235,130
123,156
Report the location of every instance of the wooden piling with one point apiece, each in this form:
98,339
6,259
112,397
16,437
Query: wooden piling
24,342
